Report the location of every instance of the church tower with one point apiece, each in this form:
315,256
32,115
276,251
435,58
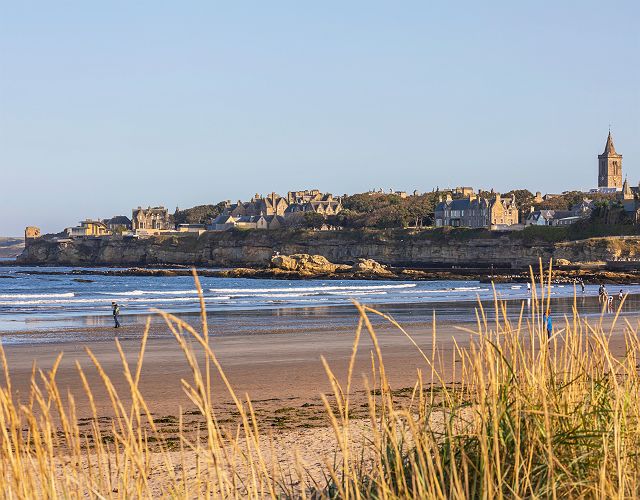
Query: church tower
610,166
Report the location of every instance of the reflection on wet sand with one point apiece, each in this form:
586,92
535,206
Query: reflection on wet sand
310,320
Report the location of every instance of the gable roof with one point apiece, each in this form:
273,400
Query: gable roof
119,219
224,219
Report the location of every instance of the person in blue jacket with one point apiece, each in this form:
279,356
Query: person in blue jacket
548,323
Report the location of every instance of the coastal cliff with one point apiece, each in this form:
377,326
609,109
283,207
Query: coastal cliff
395,248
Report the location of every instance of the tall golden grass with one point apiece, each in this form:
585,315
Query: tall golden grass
522,416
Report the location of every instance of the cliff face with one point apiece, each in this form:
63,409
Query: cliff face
255,248
10,248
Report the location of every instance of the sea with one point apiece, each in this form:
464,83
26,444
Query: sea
31,300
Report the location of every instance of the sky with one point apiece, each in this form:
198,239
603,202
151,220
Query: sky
105,106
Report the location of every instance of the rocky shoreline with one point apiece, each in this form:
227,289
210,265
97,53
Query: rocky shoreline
305,266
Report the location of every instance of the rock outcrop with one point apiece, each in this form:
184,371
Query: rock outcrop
369,267
392,248
306,264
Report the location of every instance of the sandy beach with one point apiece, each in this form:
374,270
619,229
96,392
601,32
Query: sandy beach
278,369
280,372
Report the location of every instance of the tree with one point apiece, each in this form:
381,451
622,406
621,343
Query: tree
313,220
386,210
200,214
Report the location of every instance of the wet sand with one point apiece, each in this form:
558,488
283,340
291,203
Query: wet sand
281,368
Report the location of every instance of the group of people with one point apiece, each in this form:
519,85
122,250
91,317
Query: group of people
605,298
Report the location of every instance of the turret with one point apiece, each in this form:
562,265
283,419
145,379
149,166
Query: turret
31,233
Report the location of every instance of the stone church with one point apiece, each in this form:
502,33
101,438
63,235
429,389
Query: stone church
610,166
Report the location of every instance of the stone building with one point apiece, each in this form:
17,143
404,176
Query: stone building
610,166
31,233
464,191
326,205
303,196
273,204
151,219
477,212
296,203
503,211
629,197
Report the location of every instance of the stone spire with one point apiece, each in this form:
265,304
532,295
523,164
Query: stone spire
627,194
609,148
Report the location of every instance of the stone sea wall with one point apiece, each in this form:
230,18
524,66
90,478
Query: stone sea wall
399,248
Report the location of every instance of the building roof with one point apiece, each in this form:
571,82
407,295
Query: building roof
270,218
609,148
462,204
119,219
551,214
224,219
249,218
150,210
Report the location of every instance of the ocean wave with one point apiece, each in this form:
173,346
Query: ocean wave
137,293
314,301
285,294
309,288
449,290
96,301
36,295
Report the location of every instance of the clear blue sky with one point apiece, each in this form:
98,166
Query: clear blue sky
109,105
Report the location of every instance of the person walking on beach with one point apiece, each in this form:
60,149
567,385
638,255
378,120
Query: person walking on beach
582,285
116,314
610,303
620,295
528,287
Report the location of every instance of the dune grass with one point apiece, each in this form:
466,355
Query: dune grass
522,416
